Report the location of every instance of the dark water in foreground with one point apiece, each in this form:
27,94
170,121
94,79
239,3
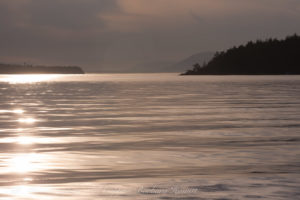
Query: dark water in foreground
153,136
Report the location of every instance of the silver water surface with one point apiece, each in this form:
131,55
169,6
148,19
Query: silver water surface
149,136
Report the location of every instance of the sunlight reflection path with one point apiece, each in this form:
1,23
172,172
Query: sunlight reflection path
21,164
25,192
15,79
15,111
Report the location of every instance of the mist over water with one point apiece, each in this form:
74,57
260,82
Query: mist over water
149,136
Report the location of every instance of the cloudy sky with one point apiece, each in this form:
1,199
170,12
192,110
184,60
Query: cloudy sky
134,35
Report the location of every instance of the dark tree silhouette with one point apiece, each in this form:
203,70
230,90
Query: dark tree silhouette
271,56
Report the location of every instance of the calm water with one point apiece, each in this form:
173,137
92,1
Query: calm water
149,136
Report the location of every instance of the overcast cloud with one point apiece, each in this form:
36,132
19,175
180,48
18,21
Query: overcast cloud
134,35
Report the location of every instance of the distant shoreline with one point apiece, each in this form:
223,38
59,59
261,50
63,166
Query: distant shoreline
28,69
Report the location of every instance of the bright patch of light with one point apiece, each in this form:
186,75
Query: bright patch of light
18,111
25,192
23,163
25,140
22,191
20,129
4,111
14,79
27,120
27,179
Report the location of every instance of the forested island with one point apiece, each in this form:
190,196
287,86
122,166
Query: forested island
29,69
268,57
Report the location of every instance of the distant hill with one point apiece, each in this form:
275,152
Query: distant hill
28,69
189,61
271,56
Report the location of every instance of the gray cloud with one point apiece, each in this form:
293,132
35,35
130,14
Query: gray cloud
74,15
54,32
122,35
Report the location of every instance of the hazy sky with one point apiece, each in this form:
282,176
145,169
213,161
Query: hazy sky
128,35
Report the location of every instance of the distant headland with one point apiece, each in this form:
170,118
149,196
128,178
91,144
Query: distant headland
269,57
29,69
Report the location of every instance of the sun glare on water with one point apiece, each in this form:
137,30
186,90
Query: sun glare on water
24,163
15,111
14,79
27,120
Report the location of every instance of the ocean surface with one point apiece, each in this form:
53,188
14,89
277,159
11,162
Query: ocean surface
149,136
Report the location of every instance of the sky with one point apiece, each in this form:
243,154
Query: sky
135,35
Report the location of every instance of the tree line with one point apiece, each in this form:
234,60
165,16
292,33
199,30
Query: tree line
271,56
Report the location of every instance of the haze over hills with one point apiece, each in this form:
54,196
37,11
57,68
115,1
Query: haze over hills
179,66
186,63
162,66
